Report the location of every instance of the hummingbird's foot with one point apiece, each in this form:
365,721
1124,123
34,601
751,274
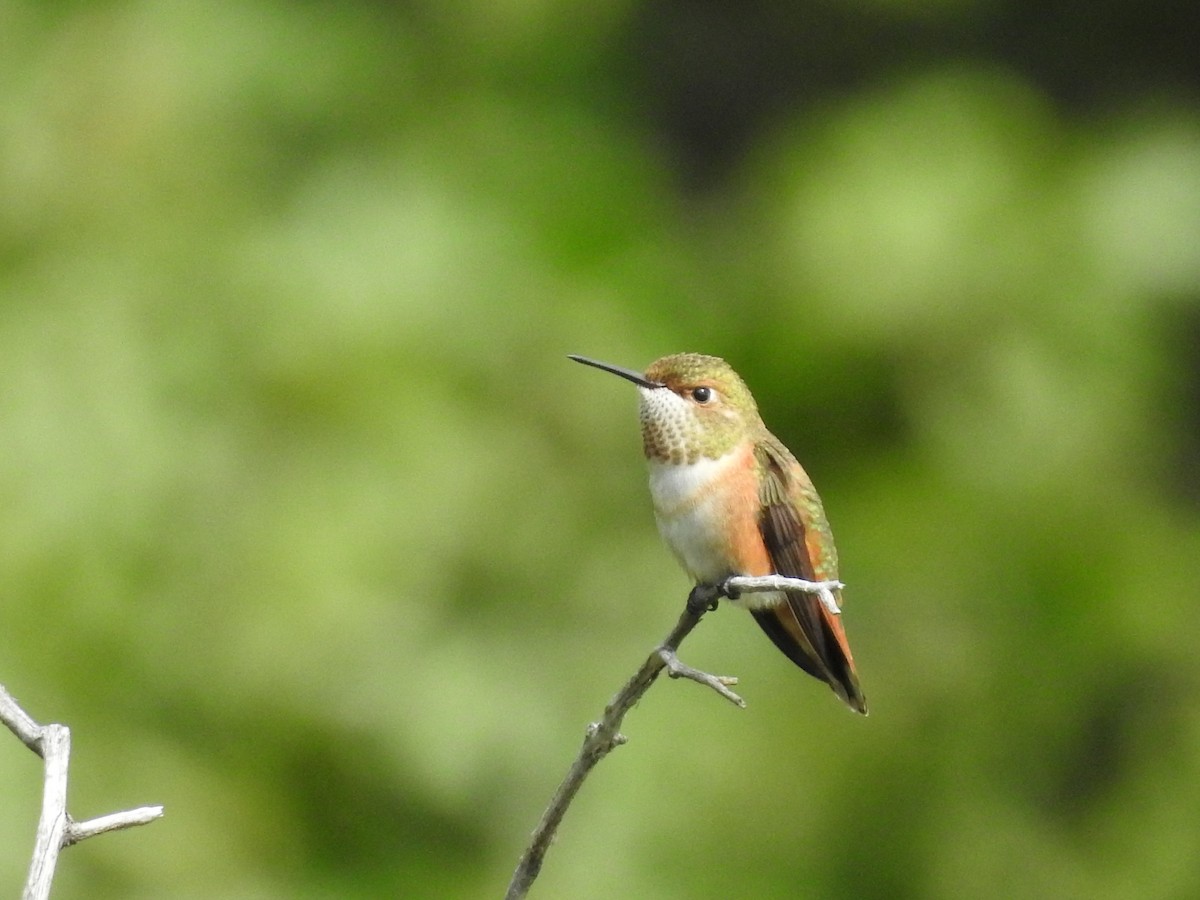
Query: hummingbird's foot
719,683
703,598
727,590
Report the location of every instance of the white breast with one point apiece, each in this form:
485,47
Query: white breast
688,513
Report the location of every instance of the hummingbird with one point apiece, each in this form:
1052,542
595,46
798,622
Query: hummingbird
730,499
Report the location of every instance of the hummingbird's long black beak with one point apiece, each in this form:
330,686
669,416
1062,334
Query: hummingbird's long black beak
628,374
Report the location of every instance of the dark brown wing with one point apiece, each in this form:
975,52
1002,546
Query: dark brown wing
800,545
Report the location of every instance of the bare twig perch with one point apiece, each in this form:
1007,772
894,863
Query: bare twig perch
57,829
603,736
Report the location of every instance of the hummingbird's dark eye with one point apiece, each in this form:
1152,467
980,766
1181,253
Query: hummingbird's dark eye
702,394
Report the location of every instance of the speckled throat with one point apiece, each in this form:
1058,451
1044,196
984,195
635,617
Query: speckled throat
673,431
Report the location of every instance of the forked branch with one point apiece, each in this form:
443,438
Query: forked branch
56,829
603,736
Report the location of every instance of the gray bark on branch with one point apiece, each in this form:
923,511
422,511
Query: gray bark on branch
56,828
604,736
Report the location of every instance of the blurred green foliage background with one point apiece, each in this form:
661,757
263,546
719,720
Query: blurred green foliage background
311,533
